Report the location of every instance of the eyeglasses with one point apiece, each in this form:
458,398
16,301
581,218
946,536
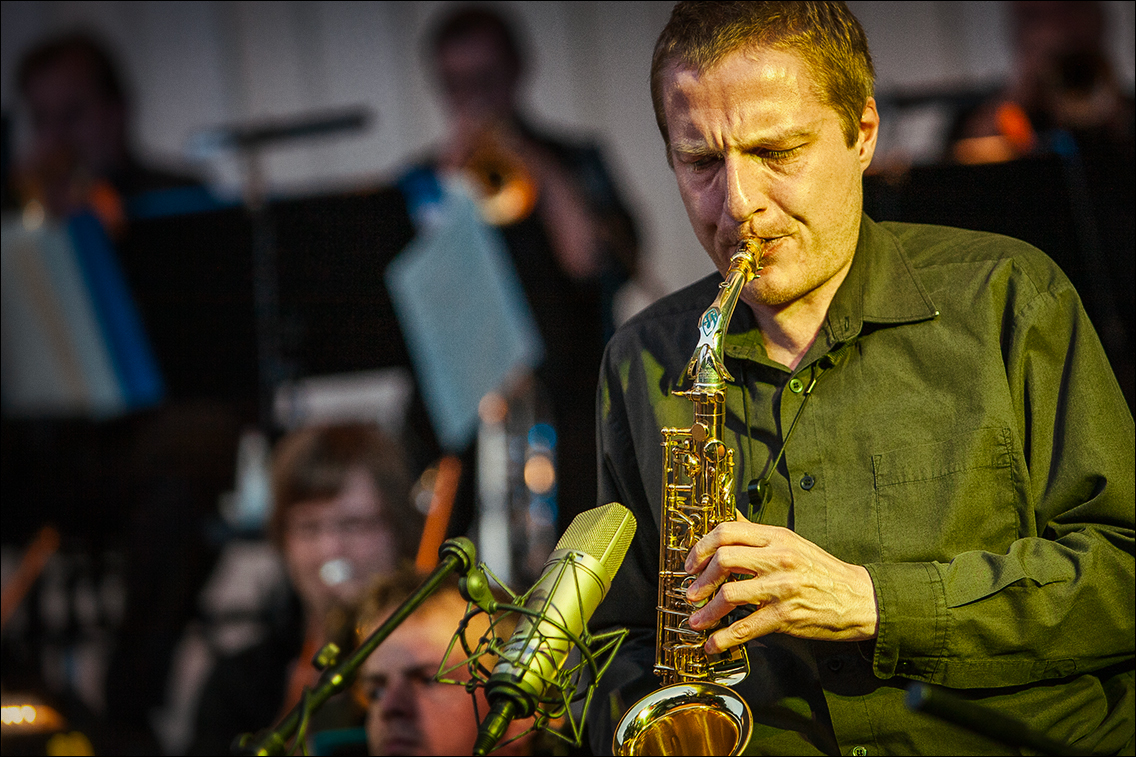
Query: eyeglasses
309,529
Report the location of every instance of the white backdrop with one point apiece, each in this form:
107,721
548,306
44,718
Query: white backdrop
198,64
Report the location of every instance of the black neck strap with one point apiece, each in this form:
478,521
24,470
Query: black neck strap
759,489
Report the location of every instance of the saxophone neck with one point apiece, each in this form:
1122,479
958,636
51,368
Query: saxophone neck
706,366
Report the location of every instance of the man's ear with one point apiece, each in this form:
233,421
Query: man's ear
869,132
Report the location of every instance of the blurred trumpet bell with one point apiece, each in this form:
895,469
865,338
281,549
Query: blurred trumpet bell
506,189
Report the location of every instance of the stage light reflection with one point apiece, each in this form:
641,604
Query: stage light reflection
540,474
29,718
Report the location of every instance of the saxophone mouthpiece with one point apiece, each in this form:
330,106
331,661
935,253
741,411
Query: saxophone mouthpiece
749,252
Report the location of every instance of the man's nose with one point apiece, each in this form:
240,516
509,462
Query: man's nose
399,698
52,134
329,543
334,537
746,187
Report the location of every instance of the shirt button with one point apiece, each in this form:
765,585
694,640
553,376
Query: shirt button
859,751
807,482
796,385
835,664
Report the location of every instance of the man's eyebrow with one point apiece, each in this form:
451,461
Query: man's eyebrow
781,138
698,147
426,669
692,147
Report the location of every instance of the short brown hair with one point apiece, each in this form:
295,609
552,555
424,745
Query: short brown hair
826,35
391,590
470,21
314,463
388,591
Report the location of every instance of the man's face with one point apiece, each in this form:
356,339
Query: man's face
71,115
408,712
757,155
333,547
476,78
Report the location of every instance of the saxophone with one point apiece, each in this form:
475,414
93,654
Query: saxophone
695,712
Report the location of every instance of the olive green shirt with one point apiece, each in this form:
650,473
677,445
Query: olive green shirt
966,441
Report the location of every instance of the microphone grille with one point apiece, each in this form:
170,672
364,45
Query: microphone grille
604,533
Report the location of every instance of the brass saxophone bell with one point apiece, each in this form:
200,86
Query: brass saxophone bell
685,718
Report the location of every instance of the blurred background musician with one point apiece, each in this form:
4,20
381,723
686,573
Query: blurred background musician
342,517
1062,79
81,155
573,241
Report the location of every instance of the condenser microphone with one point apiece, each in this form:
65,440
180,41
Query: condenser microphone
574,581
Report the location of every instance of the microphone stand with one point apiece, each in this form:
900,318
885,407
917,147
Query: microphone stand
456,554
249,141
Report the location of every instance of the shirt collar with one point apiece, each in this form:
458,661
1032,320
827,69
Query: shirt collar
881,287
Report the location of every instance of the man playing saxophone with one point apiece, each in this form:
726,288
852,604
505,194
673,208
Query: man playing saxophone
933,461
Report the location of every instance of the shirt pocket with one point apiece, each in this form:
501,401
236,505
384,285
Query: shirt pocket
937,500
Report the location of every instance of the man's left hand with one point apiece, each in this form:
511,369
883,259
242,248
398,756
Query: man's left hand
797,587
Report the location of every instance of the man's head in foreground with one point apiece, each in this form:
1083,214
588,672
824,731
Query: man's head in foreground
769,122
408,712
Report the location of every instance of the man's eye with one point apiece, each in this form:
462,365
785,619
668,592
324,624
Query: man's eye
781,156
361,525
701,164
305,530
422,677
373,692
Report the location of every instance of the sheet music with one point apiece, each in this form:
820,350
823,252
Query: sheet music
464,315
73,344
